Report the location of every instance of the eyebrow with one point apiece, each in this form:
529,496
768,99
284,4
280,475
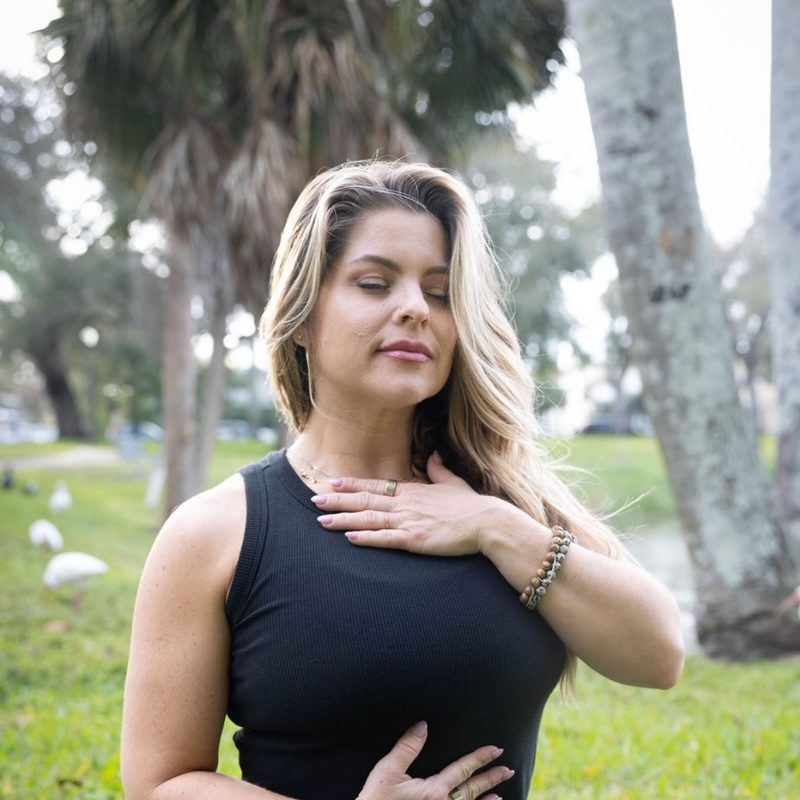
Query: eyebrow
394,266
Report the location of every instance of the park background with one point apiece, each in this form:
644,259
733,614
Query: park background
82,250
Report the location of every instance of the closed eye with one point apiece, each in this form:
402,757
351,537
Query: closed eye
372,285
440,295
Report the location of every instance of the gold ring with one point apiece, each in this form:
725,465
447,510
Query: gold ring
458,794
390,488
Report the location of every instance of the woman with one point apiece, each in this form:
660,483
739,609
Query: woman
353,602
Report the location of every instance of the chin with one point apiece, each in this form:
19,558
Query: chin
405,395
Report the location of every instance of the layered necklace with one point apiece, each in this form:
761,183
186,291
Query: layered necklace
310,471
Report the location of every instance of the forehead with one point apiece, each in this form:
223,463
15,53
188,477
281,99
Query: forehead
398,232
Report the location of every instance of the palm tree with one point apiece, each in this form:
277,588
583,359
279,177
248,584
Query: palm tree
225,109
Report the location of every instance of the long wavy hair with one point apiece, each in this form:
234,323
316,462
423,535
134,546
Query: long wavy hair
482,422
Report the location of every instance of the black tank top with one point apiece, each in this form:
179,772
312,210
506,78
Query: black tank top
337,649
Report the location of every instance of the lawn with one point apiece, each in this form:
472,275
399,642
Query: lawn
727,731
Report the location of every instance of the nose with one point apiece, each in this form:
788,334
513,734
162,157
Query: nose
412,304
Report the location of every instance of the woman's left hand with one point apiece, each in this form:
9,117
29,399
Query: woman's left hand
442,518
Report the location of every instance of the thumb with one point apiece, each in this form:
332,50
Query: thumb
438,472
408,747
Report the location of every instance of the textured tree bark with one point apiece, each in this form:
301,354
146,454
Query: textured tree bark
784,226
631,72
179,377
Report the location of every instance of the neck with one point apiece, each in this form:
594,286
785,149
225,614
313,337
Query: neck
374,449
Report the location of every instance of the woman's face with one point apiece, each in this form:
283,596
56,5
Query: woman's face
381,335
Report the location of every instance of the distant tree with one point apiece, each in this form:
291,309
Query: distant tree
744,278
535,240
630,68
223,111
58,295
784,229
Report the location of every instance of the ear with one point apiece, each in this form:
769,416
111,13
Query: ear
299,336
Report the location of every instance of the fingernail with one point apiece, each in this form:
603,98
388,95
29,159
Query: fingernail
420,729
352,536
336,481
498,751
319,499
436,457
509,773
326,519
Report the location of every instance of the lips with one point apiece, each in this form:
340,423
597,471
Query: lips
407,350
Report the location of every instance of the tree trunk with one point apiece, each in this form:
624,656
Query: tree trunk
784,222
210,245
681,341
59,391
179,377
213,397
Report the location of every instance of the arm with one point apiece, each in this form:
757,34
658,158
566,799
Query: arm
611,613
177,683
176,686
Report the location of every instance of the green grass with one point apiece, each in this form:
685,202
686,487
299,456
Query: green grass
727,731
620,471
628,473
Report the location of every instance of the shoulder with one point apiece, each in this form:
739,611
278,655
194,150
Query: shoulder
204,534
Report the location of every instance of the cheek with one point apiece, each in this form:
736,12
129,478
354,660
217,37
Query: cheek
449,338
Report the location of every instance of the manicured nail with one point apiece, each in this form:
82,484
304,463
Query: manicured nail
420,729
497,752
319,499
326,519
336,481
509,773
352,536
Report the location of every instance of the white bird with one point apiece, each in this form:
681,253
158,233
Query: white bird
61,499
45,535
73,569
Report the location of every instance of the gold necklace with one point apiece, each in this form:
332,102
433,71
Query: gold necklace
307,474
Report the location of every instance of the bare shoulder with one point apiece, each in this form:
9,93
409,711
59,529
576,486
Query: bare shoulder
205,532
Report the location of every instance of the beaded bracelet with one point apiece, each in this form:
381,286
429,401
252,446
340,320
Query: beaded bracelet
537,588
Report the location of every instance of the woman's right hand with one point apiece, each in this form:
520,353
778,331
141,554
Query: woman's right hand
389,779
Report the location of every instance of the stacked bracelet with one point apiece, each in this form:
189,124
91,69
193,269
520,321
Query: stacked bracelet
534,592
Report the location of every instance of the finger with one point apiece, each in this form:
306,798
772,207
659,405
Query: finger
406,749
395,539
371,485
438,472
372,520
483,781
355,501
461,770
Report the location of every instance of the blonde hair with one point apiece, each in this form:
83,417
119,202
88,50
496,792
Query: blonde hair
482,422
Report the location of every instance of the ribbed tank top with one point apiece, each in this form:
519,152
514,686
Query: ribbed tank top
337,649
